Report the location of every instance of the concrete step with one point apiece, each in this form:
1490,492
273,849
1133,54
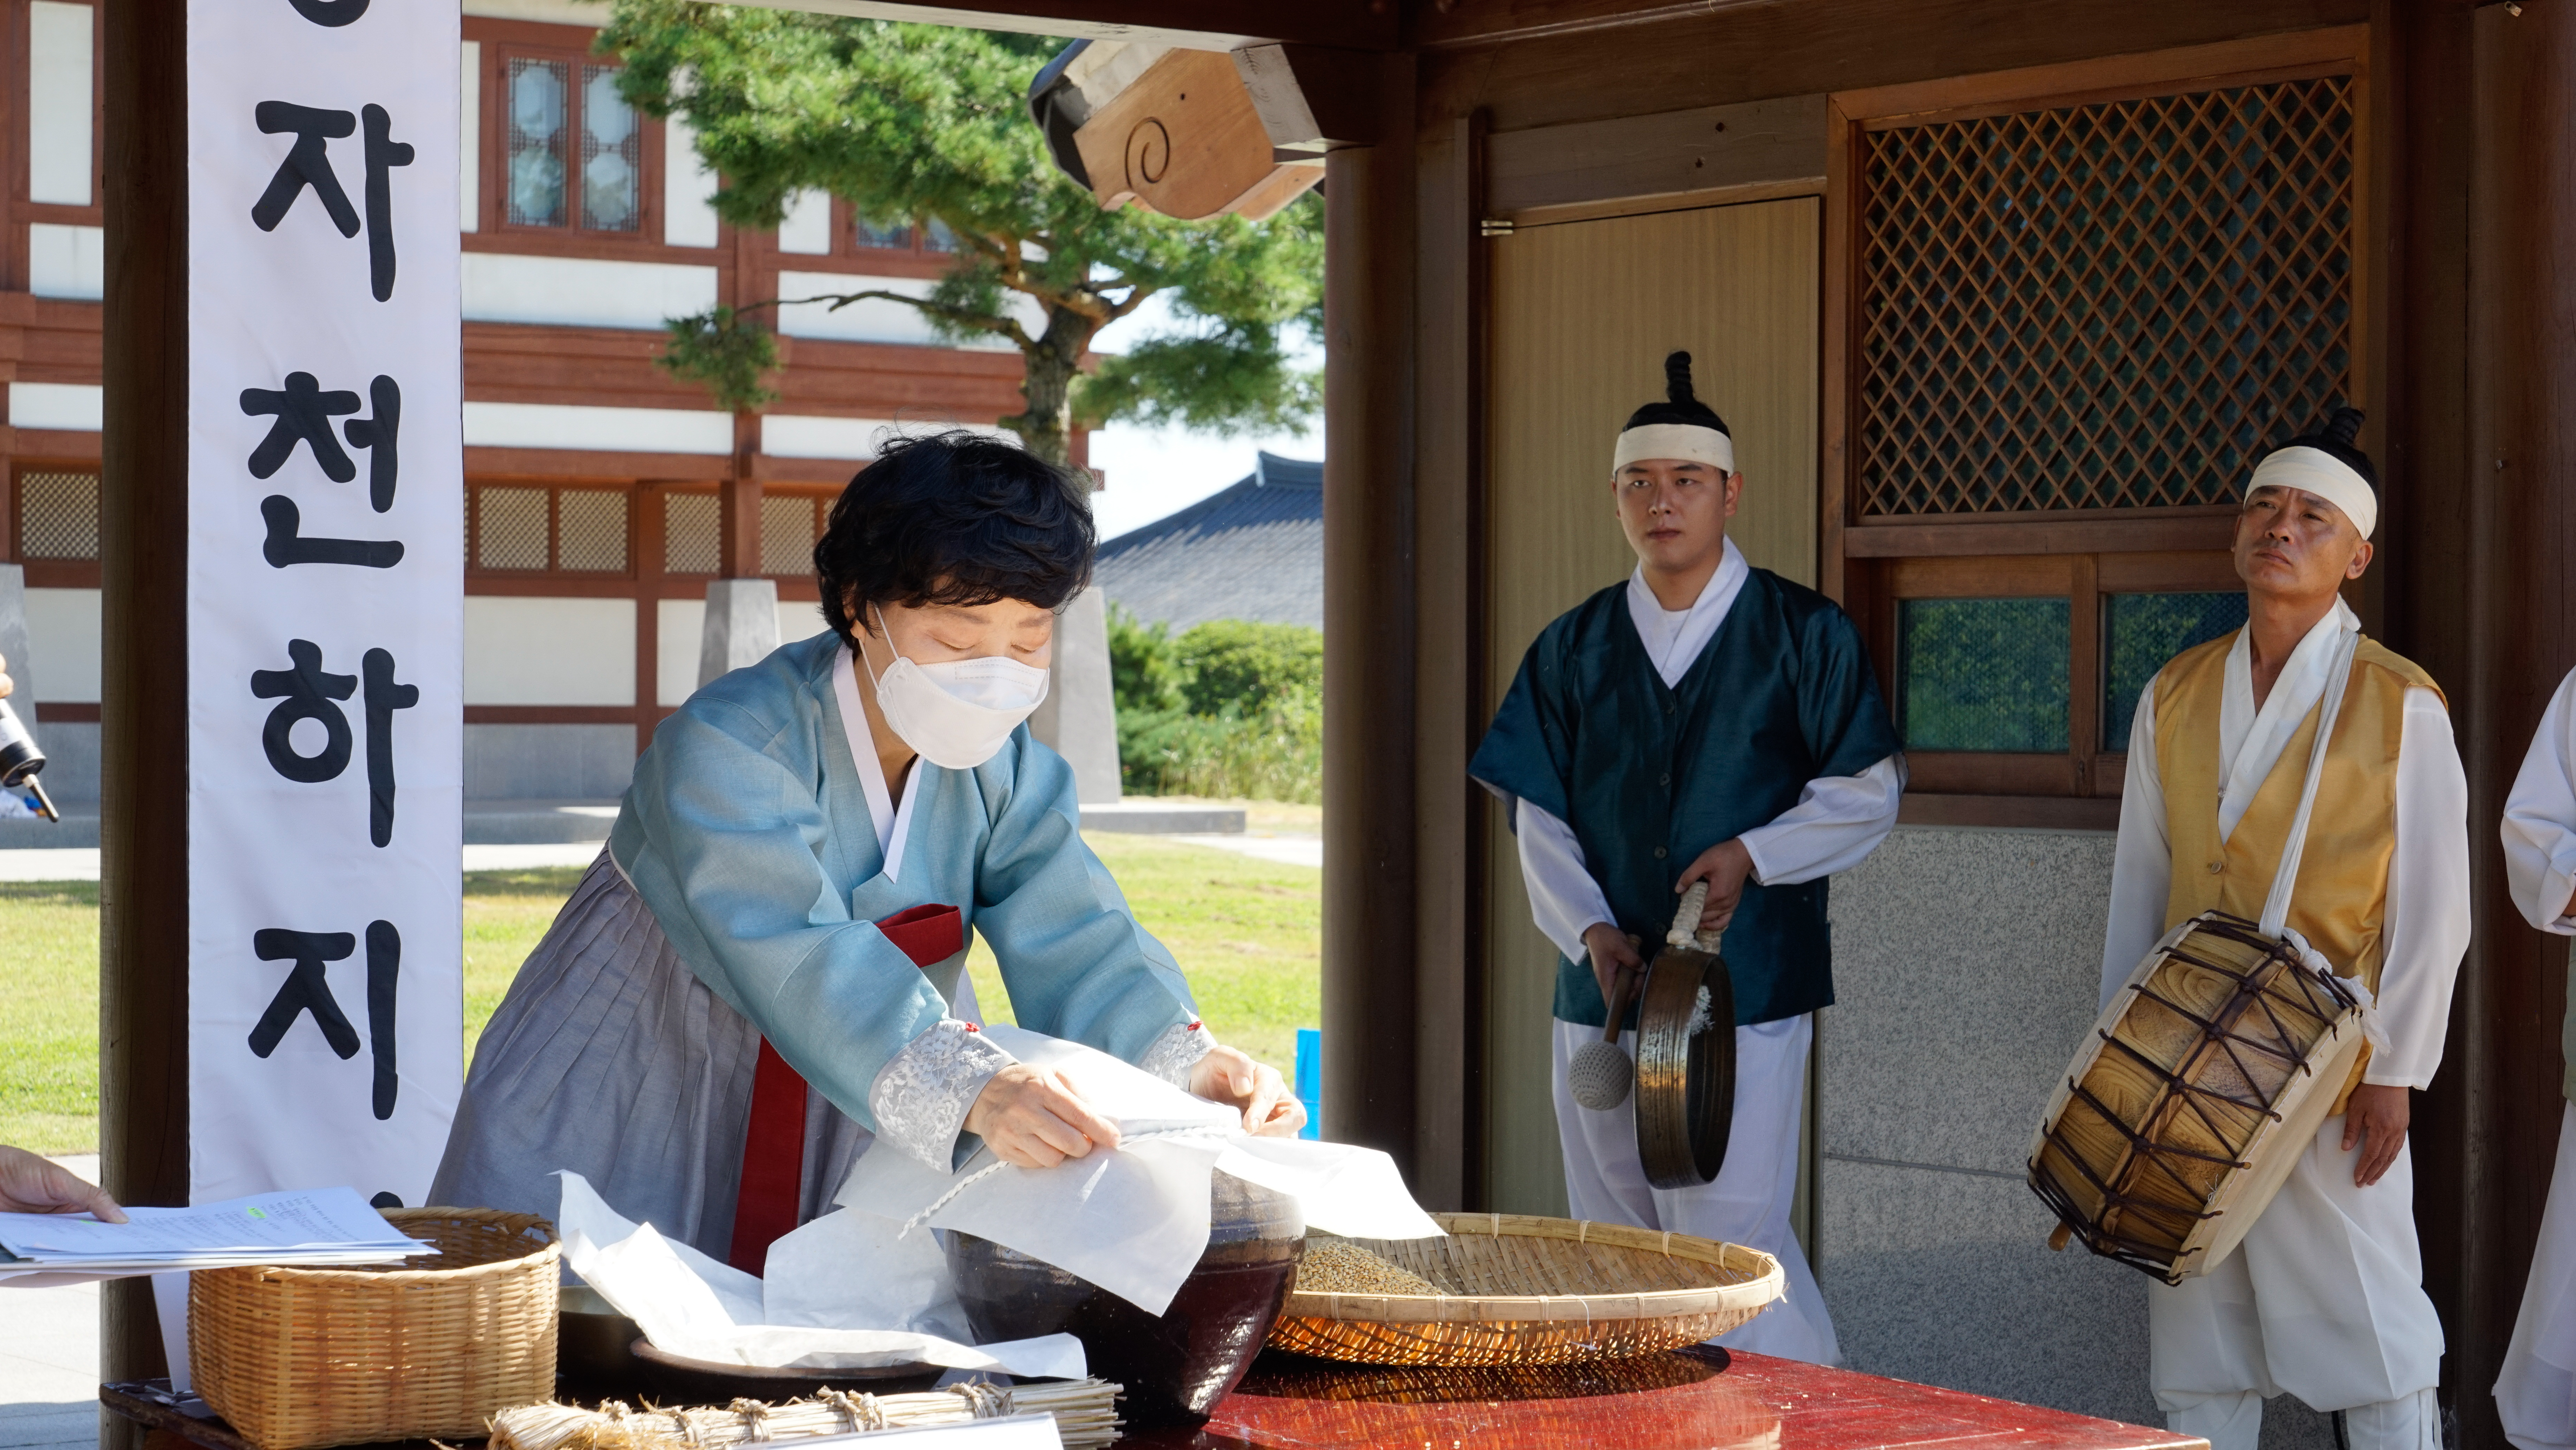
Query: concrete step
537,822
77,828
1144,815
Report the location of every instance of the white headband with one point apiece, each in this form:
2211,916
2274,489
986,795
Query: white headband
1687,442
2313,470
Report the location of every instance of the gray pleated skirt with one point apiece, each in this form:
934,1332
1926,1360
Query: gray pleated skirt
609,1057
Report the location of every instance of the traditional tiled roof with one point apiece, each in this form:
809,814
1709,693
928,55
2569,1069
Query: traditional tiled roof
1253,551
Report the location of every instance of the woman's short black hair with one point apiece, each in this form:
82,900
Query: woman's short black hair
954,518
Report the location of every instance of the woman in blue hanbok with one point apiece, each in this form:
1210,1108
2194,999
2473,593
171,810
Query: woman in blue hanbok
784,901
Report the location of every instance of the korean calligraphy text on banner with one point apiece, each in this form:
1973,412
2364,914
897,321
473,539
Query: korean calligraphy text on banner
325,595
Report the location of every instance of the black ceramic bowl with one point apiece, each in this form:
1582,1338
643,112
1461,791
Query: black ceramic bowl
1175,1365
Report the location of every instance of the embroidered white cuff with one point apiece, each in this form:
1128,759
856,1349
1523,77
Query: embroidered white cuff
1178,1050
921,1097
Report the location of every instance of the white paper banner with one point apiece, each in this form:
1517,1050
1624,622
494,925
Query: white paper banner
325,595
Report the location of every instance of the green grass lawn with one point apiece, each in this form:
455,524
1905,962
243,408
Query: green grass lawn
49,1015
1247,932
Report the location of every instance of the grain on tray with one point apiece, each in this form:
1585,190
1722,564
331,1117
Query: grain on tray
1334,1267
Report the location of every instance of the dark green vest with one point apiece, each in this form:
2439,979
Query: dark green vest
1649,776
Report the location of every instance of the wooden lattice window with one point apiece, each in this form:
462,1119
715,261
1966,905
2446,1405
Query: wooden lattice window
58,514
2103,306
535,529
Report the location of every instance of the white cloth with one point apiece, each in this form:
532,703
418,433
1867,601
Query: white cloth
2235,1422
2540,818
2314,470
1836,823
1134,1221
2536,1392
1749,1201
2426,925
2323,1301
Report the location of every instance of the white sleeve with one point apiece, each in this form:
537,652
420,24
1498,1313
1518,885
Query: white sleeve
2426,928
2142,862
1837,822
2540,818
1564,899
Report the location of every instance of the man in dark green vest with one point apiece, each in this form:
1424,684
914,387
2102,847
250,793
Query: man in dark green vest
1704,720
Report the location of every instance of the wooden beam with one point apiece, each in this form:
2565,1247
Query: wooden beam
1196,24
1676,153
1529,69
143,689
1370,770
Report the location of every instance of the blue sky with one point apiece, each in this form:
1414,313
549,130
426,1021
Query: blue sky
1151,472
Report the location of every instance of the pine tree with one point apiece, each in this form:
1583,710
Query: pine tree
924,123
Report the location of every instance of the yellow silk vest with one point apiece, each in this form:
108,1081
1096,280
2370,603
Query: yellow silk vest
2341,895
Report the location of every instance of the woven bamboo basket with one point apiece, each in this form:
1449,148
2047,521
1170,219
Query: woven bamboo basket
1530,1291
432,1346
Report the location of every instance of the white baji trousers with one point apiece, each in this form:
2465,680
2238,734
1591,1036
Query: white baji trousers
2324,1300
1750,1199
2536,1393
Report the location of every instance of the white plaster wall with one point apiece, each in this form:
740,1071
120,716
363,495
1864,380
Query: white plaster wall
583,292
549,651
806,229
67,262
69,407
688,218
64,640
567,425
795,435
58,103
878,320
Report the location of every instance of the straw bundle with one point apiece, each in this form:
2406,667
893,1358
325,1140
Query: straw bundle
1517,1290
1085,1414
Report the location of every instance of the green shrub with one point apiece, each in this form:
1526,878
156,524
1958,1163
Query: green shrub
1144,666
1245,665
1228,708
1276,753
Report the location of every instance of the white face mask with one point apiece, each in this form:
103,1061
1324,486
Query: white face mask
959,714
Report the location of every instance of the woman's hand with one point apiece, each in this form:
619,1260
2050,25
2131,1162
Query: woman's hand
29,1184
1034,1118
1227,1076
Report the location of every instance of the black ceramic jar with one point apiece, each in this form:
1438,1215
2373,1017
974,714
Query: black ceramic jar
1175,1365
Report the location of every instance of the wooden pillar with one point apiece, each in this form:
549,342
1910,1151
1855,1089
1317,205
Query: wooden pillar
738,503
1451,681
143,538
1369,969
2481,589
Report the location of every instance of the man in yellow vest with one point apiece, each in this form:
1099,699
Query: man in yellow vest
2536,1389
2325,1300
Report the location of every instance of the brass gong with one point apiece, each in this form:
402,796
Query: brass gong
1685,1080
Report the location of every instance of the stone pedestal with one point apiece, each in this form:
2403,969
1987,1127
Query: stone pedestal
1079,720
741,626
20,666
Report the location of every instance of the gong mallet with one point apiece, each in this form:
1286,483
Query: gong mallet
1600,1076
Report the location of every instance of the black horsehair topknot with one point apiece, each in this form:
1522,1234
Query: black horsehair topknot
1677,378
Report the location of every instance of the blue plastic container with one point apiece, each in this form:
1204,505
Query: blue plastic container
1310,1079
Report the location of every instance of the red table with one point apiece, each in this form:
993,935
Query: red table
1685,1401
1695,1400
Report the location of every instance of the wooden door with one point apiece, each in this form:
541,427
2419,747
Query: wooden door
1582,316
